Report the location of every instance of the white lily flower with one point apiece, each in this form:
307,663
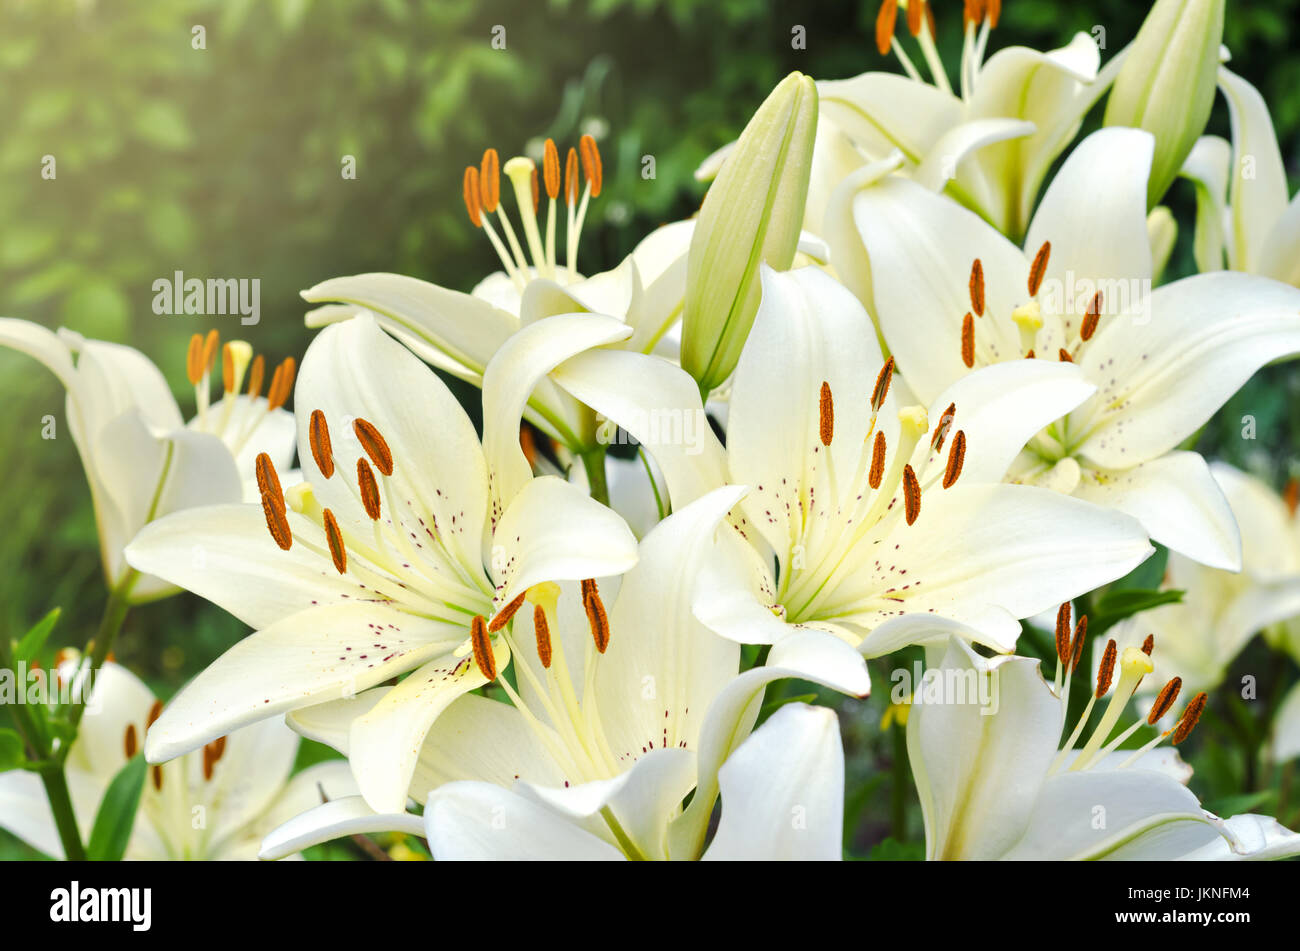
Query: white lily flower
951,295
983,735
216,804
616,718
1243,218
866,520
142,460
1221,610
989,144
383,561
461,333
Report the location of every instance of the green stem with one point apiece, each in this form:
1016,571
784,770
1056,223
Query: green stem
901,784
593,461
102,644
56,790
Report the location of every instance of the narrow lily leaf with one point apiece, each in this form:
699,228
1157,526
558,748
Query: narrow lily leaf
1115,606
1242,802
35,639
11,750
1167,82
116,815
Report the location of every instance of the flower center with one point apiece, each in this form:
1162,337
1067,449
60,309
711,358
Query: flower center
1134,664
169,803
561,710
482,193
404,559
1046,329
233,422
836,524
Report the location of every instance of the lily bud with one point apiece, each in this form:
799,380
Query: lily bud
1166,85
751,216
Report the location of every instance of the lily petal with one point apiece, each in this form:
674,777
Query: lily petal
385,742
518,367
1165,371
471,821
432,320
1178,503
1095,212
334,820
315,655
979,765
783,790
1259,190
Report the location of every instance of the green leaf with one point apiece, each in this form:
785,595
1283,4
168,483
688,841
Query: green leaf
117,813
11,750
891,850
34,639
1115,606
1242,802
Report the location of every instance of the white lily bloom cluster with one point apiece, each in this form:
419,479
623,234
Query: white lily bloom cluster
957,406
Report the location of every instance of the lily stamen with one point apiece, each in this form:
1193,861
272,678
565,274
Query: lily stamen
319,438
597,619
968,340
976,287
484,656
374,444
369,489
505,615
542,630
1039,268
956,456
911,495
338,551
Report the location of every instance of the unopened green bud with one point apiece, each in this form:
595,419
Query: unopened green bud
1166,84
750,216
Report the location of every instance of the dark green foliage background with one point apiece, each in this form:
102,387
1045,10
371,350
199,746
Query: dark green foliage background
225,162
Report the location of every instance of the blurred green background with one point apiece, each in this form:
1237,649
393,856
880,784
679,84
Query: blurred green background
226,162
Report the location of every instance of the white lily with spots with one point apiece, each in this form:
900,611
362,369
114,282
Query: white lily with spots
461,333
615,719
1243,218
866,520
377,564
952,295
998,781
988,144
213,804
142,460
